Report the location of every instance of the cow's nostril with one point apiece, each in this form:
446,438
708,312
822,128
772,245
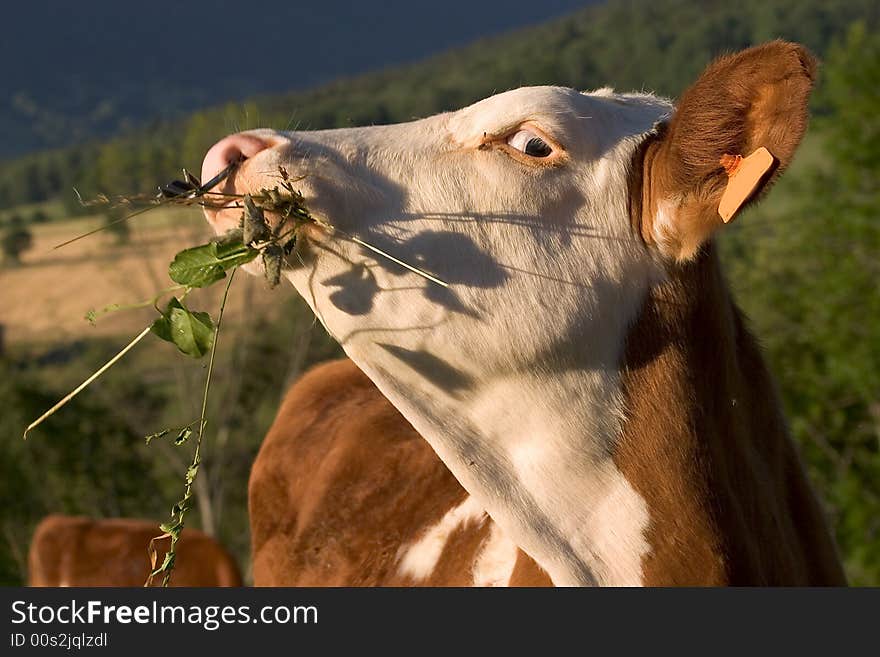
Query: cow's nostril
233,148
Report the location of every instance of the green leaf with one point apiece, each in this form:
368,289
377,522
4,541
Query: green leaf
158,434
183,436
206,264
191,473
174,527
231,254
182,506
162,328
193,333
196,267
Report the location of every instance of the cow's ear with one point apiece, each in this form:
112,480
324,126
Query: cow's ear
752,103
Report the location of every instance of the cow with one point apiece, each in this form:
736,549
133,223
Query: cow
558,388
81,551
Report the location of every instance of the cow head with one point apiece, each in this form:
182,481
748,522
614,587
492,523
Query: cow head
543,208
549,213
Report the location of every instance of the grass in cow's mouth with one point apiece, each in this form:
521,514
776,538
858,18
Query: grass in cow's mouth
194,333
283,201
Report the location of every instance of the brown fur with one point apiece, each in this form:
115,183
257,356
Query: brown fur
343,481
79,551
707,448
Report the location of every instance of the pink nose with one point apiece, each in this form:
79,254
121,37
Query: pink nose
233,148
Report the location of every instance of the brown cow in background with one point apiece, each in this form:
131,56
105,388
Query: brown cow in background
80,551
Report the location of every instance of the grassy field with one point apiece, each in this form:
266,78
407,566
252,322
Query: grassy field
90,458
45,299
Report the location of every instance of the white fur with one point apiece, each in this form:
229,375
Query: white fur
512,375
664,224
496,560
418,560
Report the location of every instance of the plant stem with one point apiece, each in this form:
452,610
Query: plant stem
116,307
197,452
390,257
85,383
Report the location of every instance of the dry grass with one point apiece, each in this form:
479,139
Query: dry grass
46,298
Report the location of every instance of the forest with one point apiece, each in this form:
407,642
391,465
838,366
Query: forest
804,265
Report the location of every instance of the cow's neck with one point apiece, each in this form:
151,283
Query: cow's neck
653,467
535,447
706,447
682,377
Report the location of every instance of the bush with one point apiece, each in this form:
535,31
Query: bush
15,239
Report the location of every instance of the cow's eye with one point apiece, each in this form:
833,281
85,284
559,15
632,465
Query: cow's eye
529,143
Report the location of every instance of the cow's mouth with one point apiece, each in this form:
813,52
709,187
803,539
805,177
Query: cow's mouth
225,166
240,164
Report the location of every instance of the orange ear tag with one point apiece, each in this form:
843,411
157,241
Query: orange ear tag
745,174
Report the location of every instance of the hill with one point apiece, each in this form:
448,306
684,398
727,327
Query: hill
78,70
634,44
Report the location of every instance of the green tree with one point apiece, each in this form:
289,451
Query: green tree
87,462
113,220
40,217
15,240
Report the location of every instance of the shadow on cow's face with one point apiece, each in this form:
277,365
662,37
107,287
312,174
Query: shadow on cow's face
519,202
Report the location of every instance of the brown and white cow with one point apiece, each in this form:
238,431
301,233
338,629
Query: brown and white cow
80,551
600,410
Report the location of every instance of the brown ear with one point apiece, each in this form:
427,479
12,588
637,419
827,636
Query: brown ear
742,102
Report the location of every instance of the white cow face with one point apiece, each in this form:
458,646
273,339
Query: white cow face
519,202
548,213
